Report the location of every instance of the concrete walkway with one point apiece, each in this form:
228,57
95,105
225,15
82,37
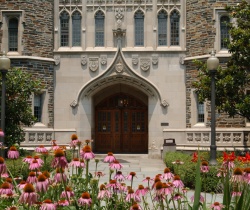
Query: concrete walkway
143,167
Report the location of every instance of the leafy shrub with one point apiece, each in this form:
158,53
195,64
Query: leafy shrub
187,171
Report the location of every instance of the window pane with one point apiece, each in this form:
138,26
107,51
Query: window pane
38,107
13,34
99,29
162,28
64,29
175,25
200,112
139,28
76,24
224,31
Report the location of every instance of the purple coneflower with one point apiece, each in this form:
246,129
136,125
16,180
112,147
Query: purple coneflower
167,174
177,182
68,193
38,159
135,207
132,196
42,183
113,184
28,159
75,143
246,175
29,196
119,176
217,206
3,168
4,175
75,163
103,192
109,158
34,165
116,165
204,167
1,133
167,188
148,180
60,175
177,196
202,199
12,208
141,190
54,145
131,176
157,179
59,159
85,199
237,175
13,153
41,149
32,178
48,205
87,153
21,185
6,188
63,203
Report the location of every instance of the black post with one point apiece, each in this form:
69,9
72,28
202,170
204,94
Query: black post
213,147
2,151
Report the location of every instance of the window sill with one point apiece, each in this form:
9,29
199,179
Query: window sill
199,125
39,125
11,53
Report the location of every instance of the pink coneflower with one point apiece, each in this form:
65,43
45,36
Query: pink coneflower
246,175
68,193
222,172
12,208
29,196
116,165
21,185
85,199
132,196
237,175
131,176
4,175
13,153
236,194
148,180
99,174
177,196
217,206
60,175
6,188
59,159
109,158
28,159
87,153
141,191
1,133
113,184
204,167
41,149
75,163
54,145
38,159
3,168
32,178
202,199
177,182
135,207
167,174
63,203
75,143
157,179
119,176
48,205
167,188
34,165
42,183
103,192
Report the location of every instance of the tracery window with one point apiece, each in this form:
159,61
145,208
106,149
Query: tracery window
13,34
64,18
162,28
224,31
139,28
76,29
99,29
175,28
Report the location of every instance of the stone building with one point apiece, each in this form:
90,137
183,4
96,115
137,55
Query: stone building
120,72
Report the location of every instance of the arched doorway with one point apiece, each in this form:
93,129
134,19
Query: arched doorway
121,125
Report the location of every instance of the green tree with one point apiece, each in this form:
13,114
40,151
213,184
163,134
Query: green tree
233,80
19,87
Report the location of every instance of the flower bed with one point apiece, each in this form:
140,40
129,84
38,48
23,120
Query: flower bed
48,180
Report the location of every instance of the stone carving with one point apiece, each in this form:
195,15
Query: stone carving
237,137
93,64
197,137
226,137
145,64
73,104
57,59
205,137
190,137
119,67
40,136
153,146
119,13
155,59
135,59
103,59
32,136
83,60
182,60
48,137
164,103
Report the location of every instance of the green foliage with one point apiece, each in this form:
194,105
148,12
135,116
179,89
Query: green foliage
20,85
231,82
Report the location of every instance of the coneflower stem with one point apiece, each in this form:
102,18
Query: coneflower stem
64,185
87,172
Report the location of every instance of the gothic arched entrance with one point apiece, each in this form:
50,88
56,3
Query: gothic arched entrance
121,125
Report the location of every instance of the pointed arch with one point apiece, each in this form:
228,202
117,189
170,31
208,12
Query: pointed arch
174,27
13,34
64,28
139,27
76,28
162,27
224,31
99,28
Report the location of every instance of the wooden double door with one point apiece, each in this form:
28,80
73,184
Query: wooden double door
121,129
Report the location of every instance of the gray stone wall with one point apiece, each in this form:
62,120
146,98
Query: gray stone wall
37,39
43,70
200,40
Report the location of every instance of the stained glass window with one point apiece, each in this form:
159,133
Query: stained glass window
162,28
99,29
76,29
139,28
175,28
